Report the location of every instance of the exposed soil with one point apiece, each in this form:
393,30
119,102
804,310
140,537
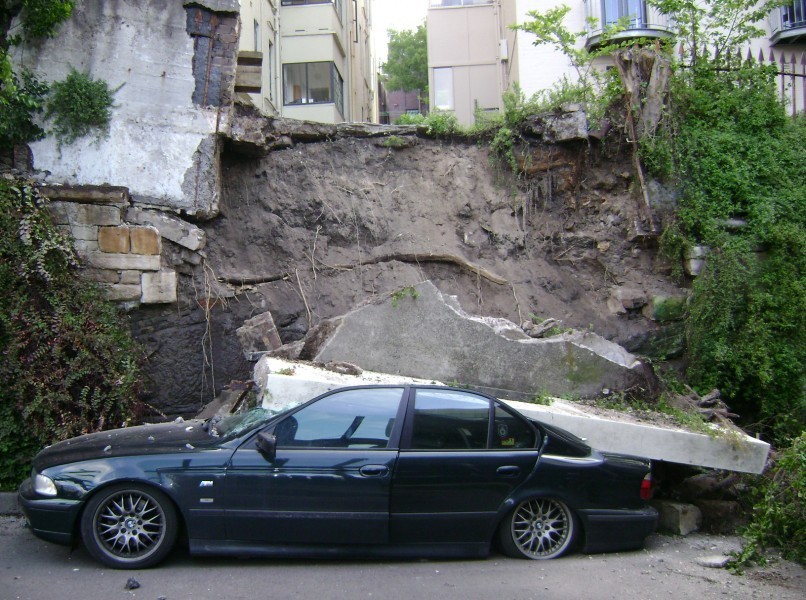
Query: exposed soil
318,228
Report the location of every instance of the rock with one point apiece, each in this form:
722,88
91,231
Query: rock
564,127
666,308
721,516
678,518
623,299
259,334
131,584
716,561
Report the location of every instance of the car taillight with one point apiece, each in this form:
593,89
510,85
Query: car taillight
646,487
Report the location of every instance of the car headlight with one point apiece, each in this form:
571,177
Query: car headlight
44,485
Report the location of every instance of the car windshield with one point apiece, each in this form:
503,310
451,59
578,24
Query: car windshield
232,425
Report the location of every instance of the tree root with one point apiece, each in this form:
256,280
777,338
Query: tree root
406,258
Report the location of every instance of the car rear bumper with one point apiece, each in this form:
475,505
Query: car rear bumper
52,519
611,530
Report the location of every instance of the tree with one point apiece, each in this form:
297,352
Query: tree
407,65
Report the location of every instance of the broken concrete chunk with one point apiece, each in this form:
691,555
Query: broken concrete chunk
434,338
158,288
677,517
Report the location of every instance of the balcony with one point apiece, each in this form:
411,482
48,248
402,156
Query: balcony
644,21
788,23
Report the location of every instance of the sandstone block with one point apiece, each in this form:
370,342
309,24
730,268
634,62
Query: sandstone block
172,228
84,232
120,292
114,239
677,517
259,334
130,277
101,275
84,246
85,214
145,240
122,262
158,288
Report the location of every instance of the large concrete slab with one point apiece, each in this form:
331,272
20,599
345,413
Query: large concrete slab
419,332
283,384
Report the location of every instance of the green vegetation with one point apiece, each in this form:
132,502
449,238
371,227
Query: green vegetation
409,291
406,67
22,95
779,510
78,106
395,142
407,119
69,365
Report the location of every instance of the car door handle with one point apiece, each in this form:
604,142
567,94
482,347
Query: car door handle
508,471
373,470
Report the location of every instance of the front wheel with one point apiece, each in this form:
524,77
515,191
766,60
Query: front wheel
129,526
540,528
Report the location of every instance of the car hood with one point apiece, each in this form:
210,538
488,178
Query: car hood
143,439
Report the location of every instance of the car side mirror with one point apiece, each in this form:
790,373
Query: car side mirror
267,445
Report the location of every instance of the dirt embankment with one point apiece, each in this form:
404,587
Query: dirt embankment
310,231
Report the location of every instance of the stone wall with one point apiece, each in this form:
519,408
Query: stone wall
120,246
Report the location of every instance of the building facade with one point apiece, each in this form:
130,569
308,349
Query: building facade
307,59
474,56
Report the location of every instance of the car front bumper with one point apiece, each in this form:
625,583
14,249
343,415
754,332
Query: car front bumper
52,519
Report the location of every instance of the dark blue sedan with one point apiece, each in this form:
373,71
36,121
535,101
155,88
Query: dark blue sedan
402,470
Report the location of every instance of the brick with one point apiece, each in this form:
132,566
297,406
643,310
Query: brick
122,262
158,288
145,240
114,239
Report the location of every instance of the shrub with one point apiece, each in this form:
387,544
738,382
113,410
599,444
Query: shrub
779,510
78,106
68,364
409,119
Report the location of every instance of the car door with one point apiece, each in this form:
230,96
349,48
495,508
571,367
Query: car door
461,456
330,480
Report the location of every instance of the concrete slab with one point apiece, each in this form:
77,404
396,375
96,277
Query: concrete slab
419,332
731,450
283,384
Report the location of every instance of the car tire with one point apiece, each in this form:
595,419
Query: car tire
129,526
539,529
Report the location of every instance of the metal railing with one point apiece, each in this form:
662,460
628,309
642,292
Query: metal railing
792,16
642,19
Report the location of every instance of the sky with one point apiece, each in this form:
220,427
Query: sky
394,14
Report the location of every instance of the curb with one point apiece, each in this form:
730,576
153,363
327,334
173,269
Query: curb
8,504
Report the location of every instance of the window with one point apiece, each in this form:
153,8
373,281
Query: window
633,10
312,83
443,88
440,3
511,431
256,27
349,419
447,420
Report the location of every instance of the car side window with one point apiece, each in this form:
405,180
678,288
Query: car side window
511,431
449,420
361,418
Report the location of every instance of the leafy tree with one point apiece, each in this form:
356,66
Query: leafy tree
407,65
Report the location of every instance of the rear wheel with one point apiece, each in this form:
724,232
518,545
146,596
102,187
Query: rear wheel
539,528
129,526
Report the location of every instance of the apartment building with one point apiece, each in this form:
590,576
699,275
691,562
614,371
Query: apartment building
307,59
473,56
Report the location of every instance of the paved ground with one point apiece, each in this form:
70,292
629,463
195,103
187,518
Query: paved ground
31,569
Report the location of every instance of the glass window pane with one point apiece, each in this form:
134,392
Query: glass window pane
349,419
443,88
447,420
319,82
295,89
510,431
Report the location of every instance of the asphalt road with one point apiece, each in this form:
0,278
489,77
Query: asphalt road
31,569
